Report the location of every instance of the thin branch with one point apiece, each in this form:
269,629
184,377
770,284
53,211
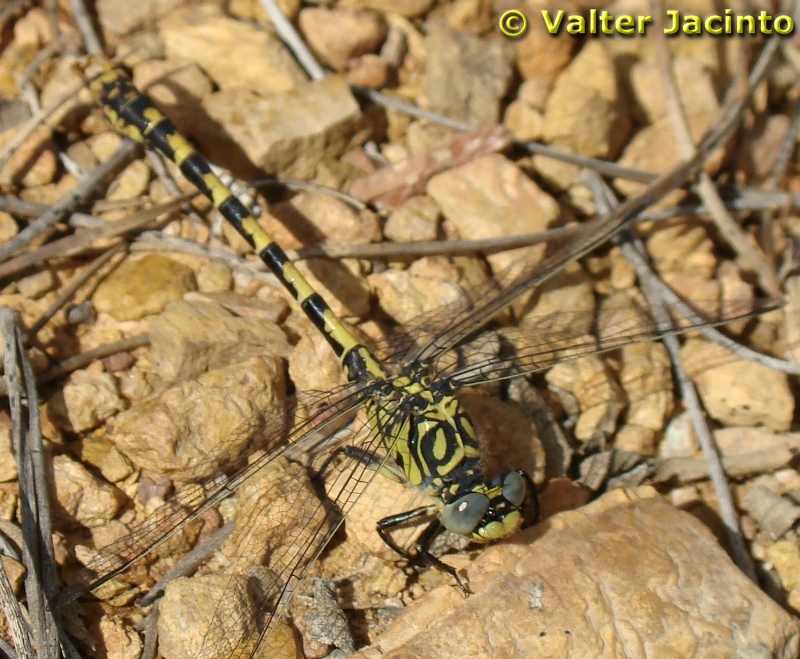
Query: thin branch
70,289
76,196
751,258
283,26
84,24
633,251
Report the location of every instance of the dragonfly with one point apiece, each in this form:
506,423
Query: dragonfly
411,426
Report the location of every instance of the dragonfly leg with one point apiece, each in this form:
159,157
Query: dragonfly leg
421,554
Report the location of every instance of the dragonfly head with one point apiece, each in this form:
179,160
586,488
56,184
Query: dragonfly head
488,512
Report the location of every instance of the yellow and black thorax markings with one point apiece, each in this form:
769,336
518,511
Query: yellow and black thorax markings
134,114
428,433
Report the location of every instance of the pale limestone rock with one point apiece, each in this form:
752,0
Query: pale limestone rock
626,575
81,496
736,391
585,111
143,287
338,35
190,338
287,133
221,44
490,197
467,76
191,429
87,400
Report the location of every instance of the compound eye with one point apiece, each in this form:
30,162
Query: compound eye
514,488
463,514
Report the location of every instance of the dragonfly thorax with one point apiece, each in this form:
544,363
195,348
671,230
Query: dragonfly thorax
434,442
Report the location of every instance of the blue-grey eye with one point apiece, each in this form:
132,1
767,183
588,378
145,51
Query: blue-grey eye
514,488
463,514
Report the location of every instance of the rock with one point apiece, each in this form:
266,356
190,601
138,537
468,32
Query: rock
742,440
8,227
785,558
404,295
312,348
192,429
766,140
220,44
314,217
131,183
651,151
467,76
585,112
8,465
87,400
37,285
104,456
119,640
177,87
143,287
736,391
287,133
415,220
540,57
338,35
679,440
524,121
598,396
214,277
695,86
490,197
581,580
368,71
190,338
121,17
685,248
33,163
82,498
407,8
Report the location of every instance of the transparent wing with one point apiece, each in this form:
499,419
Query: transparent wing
190,502
541,342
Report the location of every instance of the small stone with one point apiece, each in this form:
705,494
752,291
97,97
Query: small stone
684,248
119,361
15,572
338,35
679,440
524,121
8,227
104,145
368,71
214,277
312,348
765,144
736,391
287,133
695,87
585,111
36,286
104,456
414,221
600,399
785,558
404,295
490,197
32,164
143,287
467,76
8,465
121,17
86,401
82,497
192,429
120,640
540,57
220,44
131,183
190,338
406,8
